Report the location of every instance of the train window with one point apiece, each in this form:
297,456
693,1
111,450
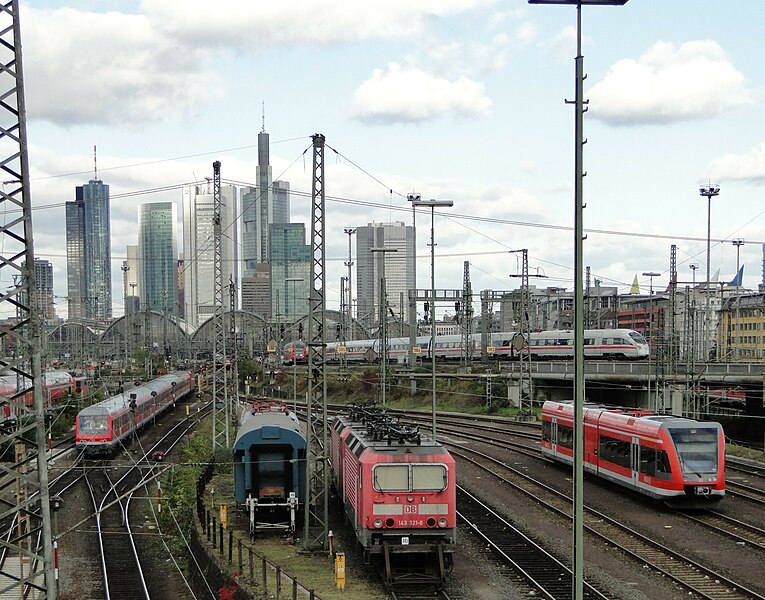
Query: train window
391,478
589,341
428,478
565,435
614,451
93,425
654,463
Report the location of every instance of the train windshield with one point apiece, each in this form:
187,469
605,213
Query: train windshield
638,339
391,478
428,478
93,424
410,478
696,449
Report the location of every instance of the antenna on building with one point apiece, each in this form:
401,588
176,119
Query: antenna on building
263,129
95,164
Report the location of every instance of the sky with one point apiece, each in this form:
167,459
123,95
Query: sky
453,100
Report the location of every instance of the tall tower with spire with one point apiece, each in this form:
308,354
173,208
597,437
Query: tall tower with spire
264,205
88,250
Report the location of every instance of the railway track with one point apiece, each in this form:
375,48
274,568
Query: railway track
537,570
684,571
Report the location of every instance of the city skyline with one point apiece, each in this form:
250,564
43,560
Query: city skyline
453,101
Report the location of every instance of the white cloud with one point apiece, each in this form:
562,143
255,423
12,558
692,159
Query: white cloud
746,167
244,22
669,83
110,68
408,94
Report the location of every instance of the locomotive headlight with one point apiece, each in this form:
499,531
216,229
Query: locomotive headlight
410,498
377,523
442,522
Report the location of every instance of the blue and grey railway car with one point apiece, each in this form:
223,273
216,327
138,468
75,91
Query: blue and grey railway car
269,466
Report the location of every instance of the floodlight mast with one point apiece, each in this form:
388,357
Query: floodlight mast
433,204
578,464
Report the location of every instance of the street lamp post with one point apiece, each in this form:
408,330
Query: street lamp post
651,335
707,191
383,312
433,204
294,281
737,243
578,460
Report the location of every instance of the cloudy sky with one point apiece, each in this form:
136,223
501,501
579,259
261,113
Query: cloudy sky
452,99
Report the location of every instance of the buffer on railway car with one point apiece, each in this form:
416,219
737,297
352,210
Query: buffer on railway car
269,466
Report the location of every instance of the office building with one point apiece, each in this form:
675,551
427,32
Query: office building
88,252
397,267
199,250
290,259
130,280
158,256
256,291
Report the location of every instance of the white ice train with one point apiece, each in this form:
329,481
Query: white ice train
615,344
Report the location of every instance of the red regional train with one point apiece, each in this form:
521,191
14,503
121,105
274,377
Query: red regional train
103,427
57,385
674,459
398,489
295,352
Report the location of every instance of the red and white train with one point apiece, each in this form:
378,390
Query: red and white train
678,460
57,385
295,352
398,488
104,426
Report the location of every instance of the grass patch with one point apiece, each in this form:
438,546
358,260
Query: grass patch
744,452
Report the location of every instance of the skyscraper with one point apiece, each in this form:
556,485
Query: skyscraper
88,252
44,287
398,268
290,259
158,256
263,205
199,249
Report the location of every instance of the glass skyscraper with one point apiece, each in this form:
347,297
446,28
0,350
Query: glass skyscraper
88,252
290,259
158,256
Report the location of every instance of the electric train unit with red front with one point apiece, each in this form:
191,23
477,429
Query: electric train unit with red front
678,460
398,490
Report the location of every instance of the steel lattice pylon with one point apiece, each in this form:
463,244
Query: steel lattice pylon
317,476
220,432
28,567
467,316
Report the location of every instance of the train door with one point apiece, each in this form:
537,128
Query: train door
635,461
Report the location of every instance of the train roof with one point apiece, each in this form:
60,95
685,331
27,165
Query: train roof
636,417
142,393
269,427
364,437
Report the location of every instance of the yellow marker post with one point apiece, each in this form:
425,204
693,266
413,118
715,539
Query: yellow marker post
224,515
340,570
187,410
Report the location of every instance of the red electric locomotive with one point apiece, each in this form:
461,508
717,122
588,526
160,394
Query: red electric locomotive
398,489
678,460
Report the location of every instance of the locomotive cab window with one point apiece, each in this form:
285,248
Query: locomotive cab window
93,425
409,477
391,478
428,478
